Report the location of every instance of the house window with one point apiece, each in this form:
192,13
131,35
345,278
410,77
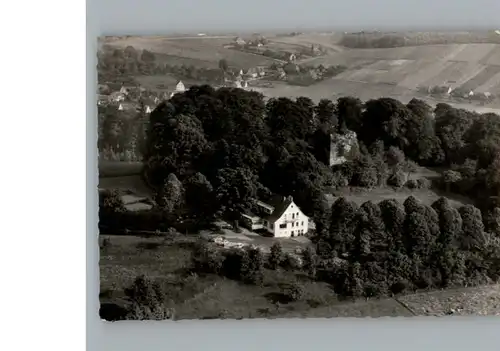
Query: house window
292,232
293,224
297,215
265,222
293,215
302,223
297,224
283,225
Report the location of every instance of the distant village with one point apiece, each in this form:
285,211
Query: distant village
128,98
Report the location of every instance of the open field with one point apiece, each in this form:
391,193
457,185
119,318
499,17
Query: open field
132,183
371,73
164,82
328,41
200,52
197,296
335,88
118,168
153,82
411,67
426,196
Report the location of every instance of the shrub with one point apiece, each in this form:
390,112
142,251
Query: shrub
252,264
147,300
291,262
411,184
294,292
309,261
397,179
206,260
423,183
400,286
276,256
144,313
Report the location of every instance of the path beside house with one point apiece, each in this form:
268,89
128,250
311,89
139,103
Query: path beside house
247,237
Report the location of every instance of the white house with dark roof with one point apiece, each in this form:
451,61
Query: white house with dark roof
179,88
280,217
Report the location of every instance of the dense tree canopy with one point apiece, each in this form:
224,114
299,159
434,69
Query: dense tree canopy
213,151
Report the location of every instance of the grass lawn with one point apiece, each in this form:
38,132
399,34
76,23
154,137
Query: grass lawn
196,296
118,168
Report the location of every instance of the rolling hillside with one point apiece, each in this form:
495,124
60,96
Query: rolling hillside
200,52
470,66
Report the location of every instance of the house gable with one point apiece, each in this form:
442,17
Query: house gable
291,212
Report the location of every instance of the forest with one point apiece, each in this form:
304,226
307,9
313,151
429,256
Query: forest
208,152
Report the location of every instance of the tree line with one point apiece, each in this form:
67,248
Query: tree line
116,63
371,251
376,250
239,146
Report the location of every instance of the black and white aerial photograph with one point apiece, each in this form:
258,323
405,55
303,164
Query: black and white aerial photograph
299,174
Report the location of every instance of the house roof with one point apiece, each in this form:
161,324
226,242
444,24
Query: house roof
278,204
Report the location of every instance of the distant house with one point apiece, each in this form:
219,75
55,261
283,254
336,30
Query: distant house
239,41
252,72
280,217
117,96
120,107
148,109
123,90
292,58
180,88
261,71
281,73
151,102
237,84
